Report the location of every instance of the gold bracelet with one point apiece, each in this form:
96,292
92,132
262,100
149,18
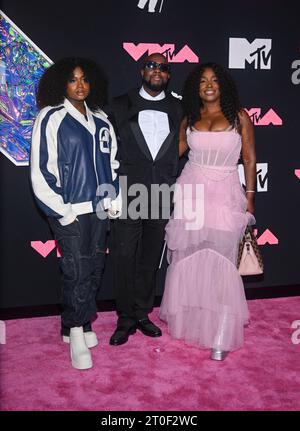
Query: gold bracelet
250,191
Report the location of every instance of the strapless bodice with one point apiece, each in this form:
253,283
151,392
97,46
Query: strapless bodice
214,148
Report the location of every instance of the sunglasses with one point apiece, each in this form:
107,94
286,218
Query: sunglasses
163,67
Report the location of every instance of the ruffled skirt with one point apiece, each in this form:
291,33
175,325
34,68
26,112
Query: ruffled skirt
204,301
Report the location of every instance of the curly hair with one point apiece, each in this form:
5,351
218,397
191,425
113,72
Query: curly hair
229,100
53,83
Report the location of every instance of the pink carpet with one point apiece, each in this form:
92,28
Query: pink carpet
154,374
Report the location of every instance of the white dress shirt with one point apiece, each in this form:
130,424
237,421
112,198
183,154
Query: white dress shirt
154,124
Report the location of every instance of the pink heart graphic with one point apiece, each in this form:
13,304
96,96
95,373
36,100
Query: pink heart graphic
297,173
43,248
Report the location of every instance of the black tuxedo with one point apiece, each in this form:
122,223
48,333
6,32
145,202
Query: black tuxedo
138,243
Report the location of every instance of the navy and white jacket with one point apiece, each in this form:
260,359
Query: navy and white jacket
70,158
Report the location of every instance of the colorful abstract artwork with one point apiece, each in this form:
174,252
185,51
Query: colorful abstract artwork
21,65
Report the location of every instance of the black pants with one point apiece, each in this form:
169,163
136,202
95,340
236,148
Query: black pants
137,250
83,246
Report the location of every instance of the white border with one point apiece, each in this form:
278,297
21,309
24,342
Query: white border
16,28
25,37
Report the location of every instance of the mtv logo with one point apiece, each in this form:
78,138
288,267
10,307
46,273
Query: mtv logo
136,51
261,174
257,52
264,120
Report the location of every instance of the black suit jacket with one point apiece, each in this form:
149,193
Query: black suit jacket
135,159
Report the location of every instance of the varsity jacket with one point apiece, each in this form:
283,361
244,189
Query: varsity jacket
72,162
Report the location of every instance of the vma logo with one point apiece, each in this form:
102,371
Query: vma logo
261,175
268,118
136,51
297,173
257,52
45,248
296,74
267,237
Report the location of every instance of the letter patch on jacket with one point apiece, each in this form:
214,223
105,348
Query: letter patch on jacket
104,138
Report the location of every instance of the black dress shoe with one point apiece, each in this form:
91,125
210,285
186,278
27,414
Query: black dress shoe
148,328
121,335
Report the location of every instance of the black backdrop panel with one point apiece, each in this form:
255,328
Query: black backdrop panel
98,29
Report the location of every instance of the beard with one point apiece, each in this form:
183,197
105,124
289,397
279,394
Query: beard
154,86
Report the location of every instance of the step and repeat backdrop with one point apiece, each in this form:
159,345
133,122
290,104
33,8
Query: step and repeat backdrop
258,41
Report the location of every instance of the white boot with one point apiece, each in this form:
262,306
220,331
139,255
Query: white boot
80,355
90,337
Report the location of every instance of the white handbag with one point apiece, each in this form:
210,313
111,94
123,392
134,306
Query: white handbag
249,259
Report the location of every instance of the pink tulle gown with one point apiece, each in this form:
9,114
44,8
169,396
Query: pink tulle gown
204,301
